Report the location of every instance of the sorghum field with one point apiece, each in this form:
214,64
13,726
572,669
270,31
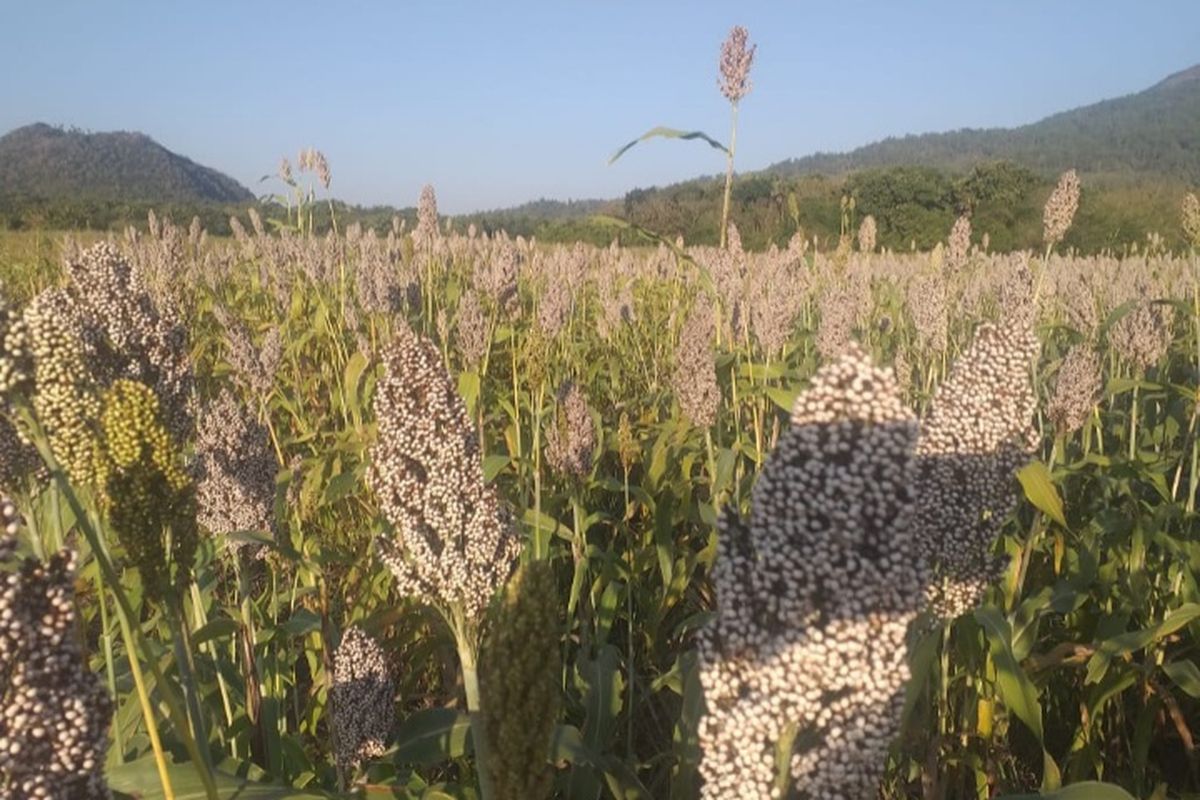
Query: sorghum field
437,514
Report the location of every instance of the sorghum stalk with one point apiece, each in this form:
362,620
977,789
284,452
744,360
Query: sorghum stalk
466,642
1133,420
139,682
201,619
729,173
106,637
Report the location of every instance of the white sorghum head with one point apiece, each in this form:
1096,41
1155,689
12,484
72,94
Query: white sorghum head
453,543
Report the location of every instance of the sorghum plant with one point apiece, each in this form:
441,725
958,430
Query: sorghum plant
452,543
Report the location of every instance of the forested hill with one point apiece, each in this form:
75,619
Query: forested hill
1152,133
45,163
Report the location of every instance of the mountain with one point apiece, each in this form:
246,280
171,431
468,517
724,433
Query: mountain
1154,133
46,163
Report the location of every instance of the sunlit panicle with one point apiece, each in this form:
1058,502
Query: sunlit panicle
1076,389
737,56
471,330
236,470
695,377
129,336
978,432
453,543
498,277
928,308
1060,208
64,393
815,590
958,246
427,216
570,443
867,232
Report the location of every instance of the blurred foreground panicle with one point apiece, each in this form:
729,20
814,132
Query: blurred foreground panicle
236,470
454,543
736,60
1060,209
54,711
363,699
815,590
14,360
519,672
979,431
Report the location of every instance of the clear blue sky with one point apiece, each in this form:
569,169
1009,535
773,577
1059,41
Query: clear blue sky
496,103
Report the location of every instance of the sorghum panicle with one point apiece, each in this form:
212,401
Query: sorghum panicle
427,216
64,392
570,443
1060,208
236,470
867,232
149,497
454,542
1190,219
695,376
815,591
363,699
978,432
471,330
736,60
129,336
958,246
1076,389
54,711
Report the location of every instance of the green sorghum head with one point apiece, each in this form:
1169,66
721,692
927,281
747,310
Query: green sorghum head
519,671
150,499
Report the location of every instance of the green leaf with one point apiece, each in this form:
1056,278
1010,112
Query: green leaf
492,466
432,736
784,398
1017,692
1040,489
468,388
350,380
139,780
1088,790
301,623
1185,675
216,629
669,133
